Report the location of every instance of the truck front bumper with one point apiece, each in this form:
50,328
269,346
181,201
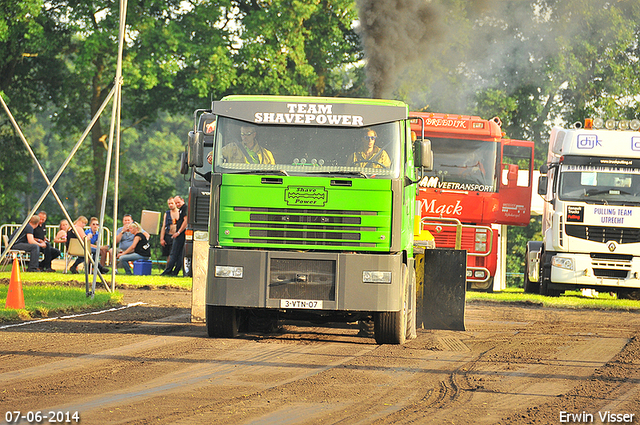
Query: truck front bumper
584,271
302,279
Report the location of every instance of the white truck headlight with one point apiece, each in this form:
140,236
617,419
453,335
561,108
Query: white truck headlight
374,276
229,271
563,263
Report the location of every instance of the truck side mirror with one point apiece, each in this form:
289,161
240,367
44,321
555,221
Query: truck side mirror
195,147
423,154
544,169
542,185
184,167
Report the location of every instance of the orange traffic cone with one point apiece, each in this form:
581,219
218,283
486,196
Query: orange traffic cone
15,297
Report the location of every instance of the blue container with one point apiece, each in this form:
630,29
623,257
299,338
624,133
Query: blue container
142,267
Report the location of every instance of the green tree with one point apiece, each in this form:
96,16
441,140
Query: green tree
291,46
30,41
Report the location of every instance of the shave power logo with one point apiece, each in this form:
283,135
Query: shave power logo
306,195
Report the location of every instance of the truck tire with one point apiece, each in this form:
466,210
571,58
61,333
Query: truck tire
530,287
411,309
186,267
390,327
628,294
545,278
222,321
481,287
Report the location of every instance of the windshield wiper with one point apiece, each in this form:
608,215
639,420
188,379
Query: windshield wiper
340,173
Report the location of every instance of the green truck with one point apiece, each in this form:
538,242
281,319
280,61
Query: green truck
311,213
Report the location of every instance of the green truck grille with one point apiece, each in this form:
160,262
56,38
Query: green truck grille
353,217
283,226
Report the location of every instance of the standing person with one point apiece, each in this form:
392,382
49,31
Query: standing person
169,227
26,242
174,264
138,250
40,234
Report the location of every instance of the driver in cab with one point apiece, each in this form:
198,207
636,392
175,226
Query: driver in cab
249,151
370,155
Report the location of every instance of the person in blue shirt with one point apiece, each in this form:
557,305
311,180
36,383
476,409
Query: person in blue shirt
92,233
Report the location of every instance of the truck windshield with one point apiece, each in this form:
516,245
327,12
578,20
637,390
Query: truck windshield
372,152
463,164
600,185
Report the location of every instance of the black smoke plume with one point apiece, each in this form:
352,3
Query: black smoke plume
394,33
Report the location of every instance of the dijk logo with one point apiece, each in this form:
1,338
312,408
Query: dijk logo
588,141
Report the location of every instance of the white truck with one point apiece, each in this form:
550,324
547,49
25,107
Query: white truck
591,219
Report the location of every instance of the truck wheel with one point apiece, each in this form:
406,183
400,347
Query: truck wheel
481,287
222,321
545,279
628,294
530,287
186,267
411,310
390,327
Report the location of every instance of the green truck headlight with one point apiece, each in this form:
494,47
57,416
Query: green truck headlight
563,263
374,276
229,271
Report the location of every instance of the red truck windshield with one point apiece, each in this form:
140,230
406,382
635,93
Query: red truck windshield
462,164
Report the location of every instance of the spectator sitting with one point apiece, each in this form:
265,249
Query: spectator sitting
26,242
92,233
139,249
124,237
61,236
77,229
40,234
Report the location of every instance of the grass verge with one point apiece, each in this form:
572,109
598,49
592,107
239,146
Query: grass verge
570,299
46,300
49,294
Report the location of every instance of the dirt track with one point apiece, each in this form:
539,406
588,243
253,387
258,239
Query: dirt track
148,365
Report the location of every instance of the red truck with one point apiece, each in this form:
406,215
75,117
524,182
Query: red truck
479,179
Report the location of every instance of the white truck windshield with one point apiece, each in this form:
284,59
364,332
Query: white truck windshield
242,147
596,184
